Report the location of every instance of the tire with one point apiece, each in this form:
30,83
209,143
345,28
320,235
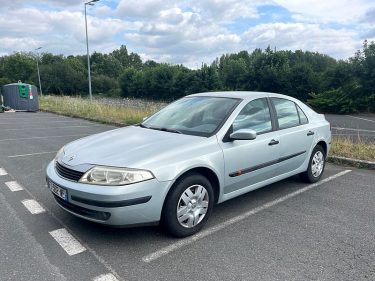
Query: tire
188,205
316,165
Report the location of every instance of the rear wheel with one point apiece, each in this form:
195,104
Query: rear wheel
316,165
188,205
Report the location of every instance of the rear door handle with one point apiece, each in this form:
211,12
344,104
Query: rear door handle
310,133
273,142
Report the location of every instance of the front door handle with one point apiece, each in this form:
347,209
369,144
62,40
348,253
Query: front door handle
273,142
310,133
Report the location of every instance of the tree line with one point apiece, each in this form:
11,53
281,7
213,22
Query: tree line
330,85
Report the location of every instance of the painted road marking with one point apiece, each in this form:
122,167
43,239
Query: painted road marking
35,117
46,137
88,248
361,118
49,128
352,129
68,121
14,186
31,154
70,245
33,206
182,243
3,172
354,134
105,277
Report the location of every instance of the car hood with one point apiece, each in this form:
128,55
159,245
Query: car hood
132,147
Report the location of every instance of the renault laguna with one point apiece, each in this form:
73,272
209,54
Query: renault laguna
198,151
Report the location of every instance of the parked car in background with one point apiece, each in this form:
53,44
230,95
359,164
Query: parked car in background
198,151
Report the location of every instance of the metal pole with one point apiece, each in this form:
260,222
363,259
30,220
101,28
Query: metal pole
88,56
37,66
40,84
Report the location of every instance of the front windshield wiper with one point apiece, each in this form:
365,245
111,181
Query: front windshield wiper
143,126
160,129
168,130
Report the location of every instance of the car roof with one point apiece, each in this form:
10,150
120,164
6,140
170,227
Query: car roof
238,94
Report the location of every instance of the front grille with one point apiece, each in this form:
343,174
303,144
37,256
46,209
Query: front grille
67,173
102,216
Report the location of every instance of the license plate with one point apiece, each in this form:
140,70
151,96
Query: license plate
58,191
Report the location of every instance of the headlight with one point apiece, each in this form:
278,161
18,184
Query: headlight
61,151
115,176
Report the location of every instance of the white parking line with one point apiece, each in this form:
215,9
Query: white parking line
352,129
70,245
32,118
182,243
3,172
87,247
67,121
46,137
105,277
14,186
354,134
49,128
31,154
33,206
361,118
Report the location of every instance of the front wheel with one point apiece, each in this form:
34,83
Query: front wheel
188,205
316,165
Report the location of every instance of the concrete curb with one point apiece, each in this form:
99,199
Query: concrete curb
352,162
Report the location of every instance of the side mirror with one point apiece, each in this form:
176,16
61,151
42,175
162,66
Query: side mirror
243,134
144,118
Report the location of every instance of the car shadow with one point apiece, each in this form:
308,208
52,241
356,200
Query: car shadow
142,240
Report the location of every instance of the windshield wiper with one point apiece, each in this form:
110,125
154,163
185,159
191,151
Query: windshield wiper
160,129
143,126
169,130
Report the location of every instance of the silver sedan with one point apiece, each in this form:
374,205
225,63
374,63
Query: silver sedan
198,151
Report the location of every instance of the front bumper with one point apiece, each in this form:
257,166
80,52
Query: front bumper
139,203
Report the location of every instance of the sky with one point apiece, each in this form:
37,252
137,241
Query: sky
187,32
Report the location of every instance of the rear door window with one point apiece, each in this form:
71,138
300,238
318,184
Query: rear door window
286,111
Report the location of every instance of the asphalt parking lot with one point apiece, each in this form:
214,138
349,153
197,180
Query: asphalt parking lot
286,231
357,127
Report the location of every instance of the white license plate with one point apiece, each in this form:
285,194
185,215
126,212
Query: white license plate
58,191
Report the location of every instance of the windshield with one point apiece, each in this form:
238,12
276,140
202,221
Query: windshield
200,116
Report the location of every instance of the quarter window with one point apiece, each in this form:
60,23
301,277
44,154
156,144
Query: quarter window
287,114
255,116
302,117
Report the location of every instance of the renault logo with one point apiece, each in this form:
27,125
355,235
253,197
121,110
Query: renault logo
71,158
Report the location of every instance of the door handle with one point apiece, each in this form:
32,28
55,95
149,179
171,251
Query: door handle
273,142
310,133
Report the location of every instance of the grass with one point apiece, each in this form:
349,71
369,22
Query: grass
356,149
96,111
130,114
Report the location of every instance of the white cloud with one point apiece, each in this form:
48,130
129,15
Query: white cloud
293,36
341,11
59,31
223,10
183,37
143,9
25,43
369,17
186,31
